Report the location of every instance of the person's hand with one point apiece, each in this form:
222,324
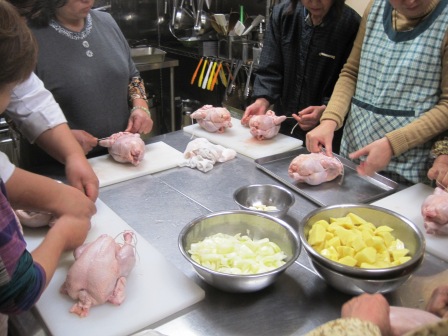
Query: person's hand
309,117
379,154
86,140
439,171
321,136
139,122
258,107
80,175
369,307
438,303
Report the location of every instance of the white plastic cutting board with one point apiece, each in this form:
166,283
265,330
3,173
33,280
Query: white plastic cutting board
155,289
239,138
408,202
158,157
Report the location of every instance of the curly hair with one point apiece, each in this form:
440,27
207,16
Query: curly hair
39,13
18,48
337,7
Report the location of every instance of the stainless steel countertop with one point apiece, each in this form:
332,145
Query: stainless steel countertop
159,205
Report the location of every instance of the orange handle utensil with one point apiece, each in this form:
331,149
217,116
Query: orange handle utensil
196,71
215,77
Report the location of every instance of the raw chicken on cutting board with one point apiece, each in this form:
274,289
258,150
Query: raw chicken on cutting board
125,147
435,212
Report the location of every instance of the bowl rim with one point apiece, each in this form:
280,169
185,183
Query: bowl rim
275,186
279,221
365,273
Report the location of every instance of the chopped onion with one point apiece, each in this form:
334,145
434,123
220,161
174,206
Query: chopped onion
263,207
237,254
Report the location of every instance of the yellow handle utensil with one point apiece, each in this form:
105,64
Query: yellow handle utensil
212,75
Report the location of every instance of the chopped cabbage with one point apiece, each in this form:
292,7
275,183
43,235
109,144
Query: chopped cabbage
237,254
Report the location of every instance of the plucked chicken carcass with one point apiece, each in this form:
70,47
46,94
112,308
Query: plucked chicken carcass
125,147
212,119
34,219
315,168
265,126
435,212
99,272
403,319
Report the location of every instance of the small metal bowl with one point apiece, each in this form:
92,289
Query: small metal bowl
264,194
256,226
355,280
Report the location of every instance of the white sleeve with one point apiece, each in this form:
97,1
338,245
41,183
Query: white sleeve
33,108
6,167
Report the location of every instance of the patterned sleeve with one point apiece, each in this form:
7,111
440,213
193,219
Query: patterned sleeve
346,327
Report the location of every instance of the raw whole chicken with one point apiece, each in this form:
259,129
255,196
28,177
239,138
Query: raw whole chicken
403,320
125,147
34,219
212,119
315,168
435,212
99,272
265,126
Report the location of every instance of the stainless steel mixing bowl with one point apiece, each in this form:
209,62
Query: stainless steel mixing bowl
355,280
264,194
256,226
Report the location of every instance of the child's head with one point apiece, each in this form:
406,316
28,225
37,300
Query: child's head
18,51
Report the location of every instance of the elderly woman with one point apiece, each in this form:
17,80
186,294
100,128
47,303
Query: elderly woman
85,61
306,45
395,86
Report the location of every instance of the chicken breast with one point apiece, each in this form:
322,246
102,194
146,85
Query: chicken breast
99,273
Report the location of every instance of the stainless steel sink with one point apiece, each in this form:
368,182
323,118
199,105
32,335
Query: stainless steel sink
143,55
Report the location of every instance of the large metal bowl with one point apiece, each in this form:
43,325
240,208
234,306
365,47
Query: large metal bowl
256,226
264,194
355,280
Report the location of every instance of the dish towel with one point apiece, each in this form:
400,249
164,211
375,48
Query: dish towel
202,154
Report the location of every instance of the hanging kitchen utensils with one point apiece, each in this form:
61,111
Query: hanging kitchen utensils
201,77
239,28
196,71
231,86
249,74
254,24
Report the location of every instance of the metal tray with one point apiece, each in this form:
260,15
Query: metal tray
143,55
348,188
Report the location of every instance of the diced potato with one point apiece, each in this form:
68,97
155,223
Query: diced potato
335,242
366,255
383,228
316,234
397,254
353,241
358,244
345,251
348,260
330,253
356,219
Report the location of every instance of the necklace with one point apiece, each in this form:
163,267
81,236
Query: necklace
410,24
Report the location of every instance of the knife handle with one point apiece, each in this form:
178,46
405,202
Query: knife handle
215,78
201,76
212,76
197,70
